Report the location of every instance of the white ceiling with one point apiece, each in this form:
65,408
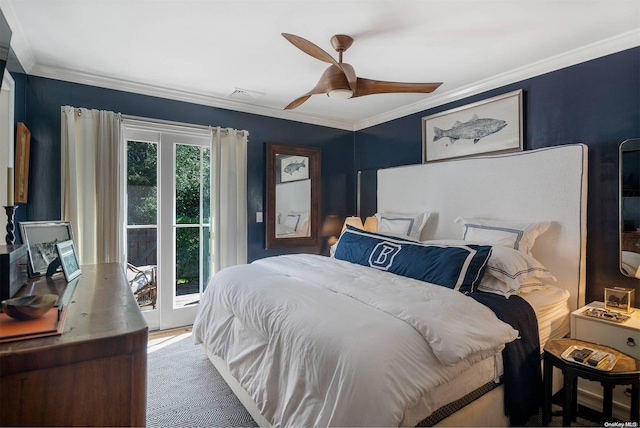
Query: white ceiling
201,51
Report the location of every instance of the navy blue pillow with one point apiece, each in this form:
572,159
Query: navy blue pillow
459,267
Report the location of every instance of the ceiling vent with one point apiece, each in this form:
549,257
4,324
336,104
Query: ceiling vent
244,95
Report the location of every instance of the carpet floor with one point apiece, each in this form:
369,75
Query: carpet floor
184,389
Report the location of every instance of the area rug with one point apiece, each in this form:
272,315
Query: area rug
184,389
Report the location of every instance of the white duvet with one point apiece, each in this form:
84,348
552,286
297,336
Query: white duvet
317,341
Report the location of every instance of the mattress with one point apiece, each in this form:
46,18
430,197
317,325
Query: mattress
552,311
551,305
481,373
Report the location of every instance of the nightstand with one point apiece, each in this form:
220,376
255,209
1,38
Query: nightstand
624,337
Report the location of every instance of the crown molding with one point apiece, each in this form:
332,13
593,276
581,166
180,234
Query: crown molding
180,95
601,48
586,53
19,43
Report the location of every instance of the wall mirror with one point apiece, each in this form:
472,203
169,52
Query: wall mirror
292,206
630,207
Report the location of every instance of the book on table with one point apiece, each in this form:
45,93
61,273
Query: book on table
50,324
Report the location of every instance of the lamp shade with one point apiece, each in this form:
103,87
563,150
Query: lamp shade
371,224
331,226
352,221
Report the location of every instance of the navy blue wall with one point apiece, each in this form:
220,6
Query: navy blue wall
596,103
44,97
20,114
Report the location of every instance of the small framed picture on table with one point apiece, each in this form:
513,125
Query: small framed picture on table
69,260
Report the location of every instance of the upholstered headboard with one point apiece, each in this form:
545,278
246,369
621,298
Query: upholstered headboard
540,185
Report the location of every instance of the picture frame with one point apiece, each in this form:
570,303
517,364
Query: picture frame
490,126
41,238
294,168
69,260
21,167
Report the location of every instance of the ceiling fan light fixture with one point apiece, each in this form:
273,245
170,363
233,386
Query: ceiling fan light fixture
340,94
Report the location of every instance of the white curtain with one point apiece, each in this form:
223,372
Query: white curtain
228,198
93,184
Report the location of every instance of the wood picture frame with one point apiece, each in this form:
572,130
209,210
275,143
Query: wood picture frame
490,126
69,260
21,168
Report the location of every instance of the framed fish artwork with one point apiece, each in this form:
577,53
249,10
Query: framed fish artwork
294,168
490,126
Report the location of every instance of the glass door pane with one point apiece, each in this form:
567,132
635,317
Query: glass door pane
142,219
192,203
168,217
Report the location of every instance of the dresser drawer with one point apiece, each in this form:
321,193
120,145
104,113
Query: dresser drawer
608,334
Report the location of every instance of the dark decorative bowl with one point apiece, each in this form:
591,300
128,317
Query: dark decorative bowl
29,307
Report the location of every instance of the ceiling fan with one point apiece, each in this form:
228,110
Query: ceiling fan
340,80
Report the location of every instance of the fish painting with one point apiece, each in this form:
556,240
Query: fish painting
474,129
294,167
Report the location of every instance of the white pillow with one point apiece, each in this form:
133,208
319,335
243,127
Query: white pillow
303,227
516,235
512,267
516,268
297,221
491,284
292,221
283,230
402,224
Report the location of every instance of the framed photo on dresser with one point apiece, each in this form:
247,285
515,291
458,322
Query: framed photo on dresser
68,260
41,238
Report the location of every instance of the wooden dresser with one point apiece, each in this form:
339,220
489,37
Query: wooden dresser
94,374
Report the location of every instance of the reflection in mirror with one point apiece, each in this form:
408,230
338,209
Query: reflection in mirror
630,207
292,196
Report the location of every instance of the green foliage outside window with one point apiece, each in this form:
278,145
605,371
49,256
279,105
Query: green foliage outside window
192,168
142,188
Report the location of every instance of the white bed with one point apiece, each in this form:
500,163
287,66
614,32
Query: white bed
542,185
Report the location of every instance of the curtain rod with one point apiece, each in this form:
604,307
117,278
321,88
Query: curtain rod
172,123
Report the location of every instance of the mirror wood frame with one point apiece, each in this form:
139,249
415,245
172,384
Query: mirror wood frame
314,155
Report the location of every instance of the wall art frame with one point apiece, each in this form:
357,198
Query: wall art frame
41,238
21,168
490,126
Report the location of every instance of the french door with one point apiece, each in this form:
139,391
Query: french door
168,216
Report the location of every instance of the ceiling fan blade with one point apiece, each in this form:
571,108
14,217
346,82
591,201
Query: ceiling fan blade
309,48
350,74
369,87
297,102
